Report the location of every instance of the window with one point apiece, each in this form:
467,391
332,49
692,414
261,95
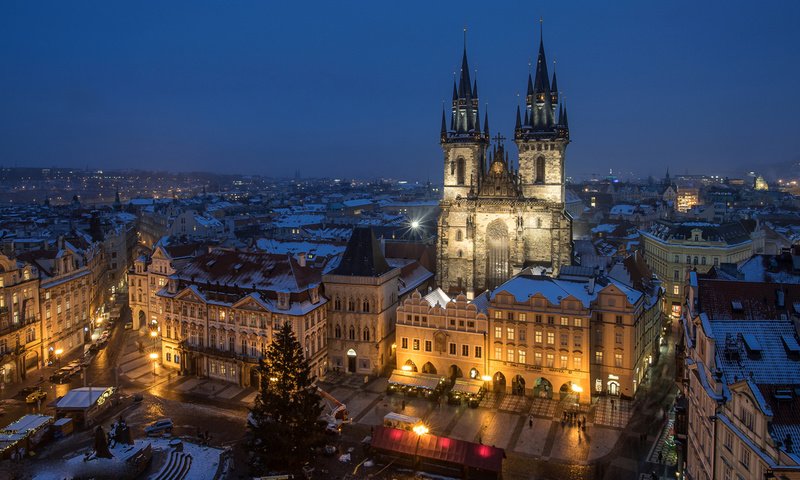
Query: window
550,320
618,360
619,319
716,261
745,457
510,334
537,318
523,317
366,334
563,361
498,314
510,355
576,362
169,356
564,339
458,235
510,316
498,353
521,334
598,358
176,358
478,352
728,440
550,360
676,259
676,275
352,333
746,417
564,321
539,178
465,350
452,349
618,338
460,171
404,343
521,356
427,345
676,289
498,332
578,322
415,344
537,337
337,332
537,359
551,338
577,341
702,260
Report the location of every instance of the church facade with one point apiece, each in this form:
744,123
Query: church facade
499,216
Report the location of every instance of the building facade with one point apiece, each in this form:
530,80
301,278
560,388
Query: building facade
674,249
20,320
579,334
497,219
218,313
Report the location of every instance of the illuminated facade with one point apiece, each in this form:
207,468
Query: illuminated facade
497,218
20,320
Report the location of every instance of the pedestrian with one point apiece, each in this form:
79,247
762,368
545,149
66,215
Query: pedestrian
584,420
403,405
660,456
530,423
480,439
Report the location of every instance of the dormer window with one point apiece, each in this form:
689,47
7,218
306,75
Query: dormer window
314,293
283,300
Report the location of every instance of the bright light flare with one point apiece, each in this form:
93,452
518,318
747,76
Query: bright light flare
576,388
421,429
406,368
486,378
59,351
415,224
153,356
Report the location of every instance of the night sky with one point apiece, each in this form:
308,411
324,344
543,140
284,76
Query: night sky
356,88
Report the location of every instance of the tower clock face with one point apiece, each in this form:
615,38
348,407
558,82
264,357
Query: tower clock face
497,167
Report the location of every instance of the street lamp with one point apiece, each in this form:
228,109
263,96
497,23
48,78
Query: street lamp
577,389
420,429
154,357
58,356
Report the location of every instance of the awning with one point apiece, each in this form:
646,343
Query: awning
440,449
472,387
415,379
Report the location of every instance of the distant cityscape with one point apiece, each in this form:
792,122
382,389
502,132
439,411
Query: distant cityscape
501,321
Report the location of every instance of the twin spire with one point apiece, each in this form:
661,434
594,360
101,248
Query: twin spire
544,113
465,118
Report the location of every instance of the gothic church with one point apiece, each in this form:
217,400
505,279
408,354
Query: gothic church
497,218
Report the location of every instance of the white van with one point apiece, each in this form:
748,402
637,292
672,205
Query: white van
402,422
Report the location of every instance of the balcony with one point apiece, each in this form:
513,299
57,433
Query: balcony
217,352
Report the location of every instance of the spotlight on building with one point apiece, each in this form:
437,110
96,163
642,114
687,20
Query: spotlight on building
576,388
486,378
406,368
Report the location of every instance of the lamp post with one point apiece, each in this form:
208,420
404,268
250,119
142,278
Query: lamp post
154,335
577,389
58,356
420,430
154,358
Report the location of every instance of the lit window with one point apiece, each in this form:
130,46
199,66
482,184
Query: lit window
510,355
521,355
498,332
510,334
551,338
676,290
618,360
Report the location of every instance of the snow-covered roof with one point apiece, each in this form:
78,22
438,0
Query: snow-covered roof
437,297
27,423
522,287
764,362
83,397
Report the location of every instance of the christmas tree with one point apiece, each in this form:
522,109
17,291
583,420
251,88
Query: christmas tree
283,420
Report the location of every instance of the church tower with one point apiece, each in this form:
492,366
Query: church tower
497,217
464,144
541,137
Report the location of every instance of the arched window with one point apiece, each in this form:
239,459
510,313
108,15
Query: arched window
352,333
452,167
365,306
539,178
460,254
460,171
458,235
366,334
337,304
337,332
351,305
497,260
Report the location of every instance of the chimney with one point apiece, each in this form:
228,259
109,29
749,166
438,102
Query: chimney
301,259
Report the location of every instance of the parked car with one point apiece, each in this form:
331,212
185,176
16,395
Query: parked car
159,426
25,391
36,396
62,375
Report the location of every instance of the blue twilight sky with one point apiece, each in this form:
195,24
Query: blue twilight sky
356,88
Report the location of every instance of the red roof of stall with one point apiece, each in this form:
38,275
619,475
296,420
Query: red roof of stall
443,449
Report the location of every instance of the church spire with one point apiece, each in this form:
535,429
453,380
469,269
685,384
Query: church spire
518,125
486,122
444,125
554,88
466,115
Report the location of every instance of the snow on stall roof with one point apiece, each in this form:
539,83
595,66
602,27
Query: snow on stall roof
82,397
27,423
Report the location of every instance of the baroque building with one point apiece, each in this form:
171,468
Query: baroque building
498,218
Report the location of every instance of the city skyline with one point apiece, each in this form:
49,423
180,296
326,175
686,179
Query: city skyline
262,90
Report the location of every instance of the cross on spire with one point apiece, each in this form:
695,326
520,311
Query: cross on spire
498,138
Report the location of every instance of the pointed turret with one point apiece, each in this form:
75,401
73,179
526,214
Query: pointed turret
444,124
465,118
554,88
518,125
475,86
565,122
486,122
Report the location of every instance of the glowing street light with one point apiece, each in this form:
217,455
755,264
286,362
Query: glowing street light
486,378
415,224
421,430
406,368
576,388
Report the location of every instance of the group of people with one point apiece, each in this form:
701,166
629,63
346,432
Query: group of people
572,418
